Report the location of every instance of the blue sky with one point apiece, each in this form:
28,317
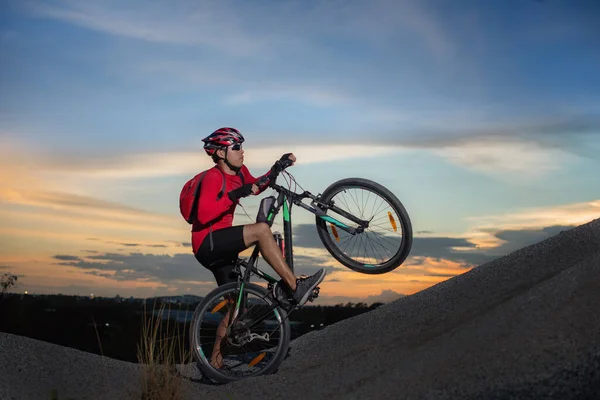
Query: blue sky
481,116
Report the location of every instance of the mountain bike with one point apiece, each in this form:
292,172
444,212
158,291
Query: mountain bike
252,325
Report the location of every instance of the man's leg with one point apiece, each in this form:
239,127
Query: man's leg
216,359
222,276
261,233
300,288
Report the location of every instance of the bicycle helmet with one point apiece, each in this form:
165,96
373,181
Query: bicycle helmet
220,139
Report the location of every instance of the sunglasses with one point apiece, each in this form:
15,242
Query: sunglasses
236,147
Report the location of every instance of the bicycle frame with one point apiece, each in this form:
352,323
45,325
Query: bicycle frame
284,197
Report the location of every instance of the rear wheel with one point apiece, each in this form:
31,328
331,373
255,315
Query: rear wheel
384,244
255,346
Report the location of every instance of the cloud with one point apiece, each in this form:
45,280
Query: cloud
531,148
66,258
129,273
176,271
489,237
432,260
32,177
305,235
447,248
484,228
565,130
512,232
438,248
311,95
179,244
33,190
287,36
137,244
55,221
183,23
251,29
250,86
514,239
69,167
332,48
504,159
161,268
386,296
67,201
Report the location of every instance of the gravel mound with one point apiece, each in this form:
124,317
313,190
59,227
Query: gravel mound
524,326
33,369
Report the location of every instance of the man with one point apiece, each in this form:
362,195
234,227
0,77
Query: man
216,242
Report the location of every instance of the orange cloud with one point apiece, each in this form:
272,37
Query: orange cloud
405,279
42,216
573,214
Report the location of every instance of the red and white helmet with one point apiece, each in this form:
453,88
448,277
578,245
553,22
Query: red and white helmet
221,138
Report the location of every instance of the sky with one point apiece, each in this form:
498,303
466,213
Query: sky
483,118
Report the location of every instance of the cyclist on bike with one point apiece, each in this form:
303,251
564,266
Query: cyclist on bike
216,242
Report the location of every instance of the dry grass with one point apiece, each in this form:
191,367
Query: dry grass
158,353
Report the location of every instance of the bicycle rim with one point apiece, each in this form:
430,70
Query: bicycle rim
384,244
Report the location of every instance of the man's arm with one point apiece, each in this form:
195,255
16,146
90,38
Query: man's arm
288,158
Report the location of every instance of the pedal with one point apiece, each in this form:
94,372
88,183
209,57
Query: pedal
314,295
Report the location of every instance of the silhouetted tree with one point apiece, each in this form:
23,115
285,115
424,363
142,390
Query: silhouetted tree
7,281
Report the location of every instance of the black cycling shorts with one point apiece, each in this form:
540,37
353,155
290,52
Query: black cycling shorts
227,244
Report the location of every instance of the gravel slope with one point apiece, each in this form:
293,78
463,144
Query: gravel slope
526,325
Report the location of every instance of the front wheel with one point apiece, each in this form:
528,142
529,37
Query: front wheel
386,240
256,345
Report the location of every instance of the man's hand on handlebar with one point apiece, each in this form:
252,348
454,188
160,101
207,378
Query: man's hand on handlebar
291,157
286,160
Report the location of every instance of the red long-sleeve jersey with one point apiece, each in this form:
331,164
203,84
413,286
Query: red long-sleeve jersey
217,214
